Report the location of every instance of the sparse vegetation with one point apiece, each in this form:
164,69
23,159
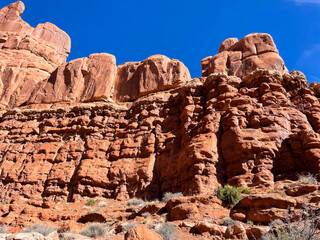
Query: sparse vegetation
307,179
40,228
102,204
228,194
245,190
167,231
304,228
134,201
270,190
250,222
276,223
3,229
126,226
169,195
91,202
145,215
93,231
228,221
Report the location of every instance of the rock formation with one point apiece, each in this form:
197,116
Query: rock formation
91,129
239,58
156,73
28,55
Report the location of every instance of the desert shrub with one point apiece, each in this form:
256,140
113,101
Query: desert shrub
227,221
245,190
102,204
93,231
168,195
145,215
167,231
127,226
277,222
134,201
3,229
250,222
304,228
270,190
40,228
91,202
307,179
228,194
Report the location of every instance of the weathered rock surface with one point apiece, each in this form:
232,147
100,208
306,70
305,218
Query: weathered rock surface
142,233
240,58
157,72
26,236
89,129
189,139
80,80
27,55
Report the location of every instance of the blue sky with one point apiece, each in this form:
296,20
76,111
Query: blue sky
183,29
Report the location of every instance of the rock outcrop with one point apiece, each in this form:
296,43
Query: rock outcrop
157,72
80,80
88,129
28,55
239,58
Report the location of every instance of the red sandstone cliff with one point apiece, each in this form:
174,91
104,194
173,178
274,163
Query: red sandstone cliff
91,129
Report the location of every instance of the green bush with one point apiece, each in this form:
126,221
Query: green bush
245,190
228,194
91,202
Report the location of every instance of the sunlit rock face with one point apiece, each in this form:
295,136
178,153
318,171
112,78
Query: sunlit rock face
239,58
91,129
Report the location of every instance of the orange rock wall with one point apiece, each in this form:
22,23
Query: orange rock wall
189,139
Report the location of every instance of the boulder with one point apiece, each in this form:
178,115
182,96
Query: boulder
26,236
142,233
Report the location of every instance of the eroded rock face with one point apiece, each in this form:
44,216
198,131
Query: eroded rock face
46,40
80,80
237,125
215,130
27,55
157,72
239,58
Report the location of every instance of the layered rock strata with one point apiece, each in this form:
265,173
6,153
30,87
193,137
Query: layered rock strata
91,129
214,130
